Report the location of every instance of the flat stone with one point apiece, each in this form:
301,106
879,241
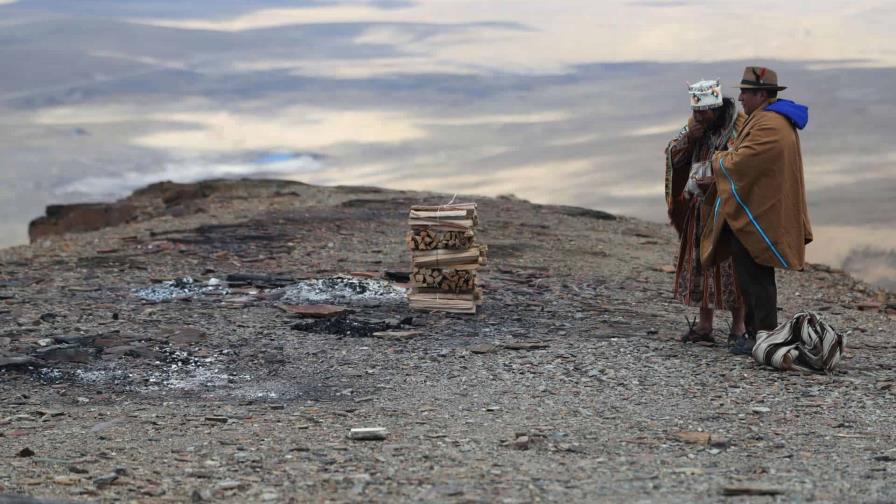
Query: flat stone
751,489
105,480
102,426
153,491
869,305
113,340
365,274
396,335
49,413
200,496
483,348
448,490
66,353
689,471
119,350
74,339
81,288
187,335
229,485
21,361
314,311
701,438
368,434
66,480
525,345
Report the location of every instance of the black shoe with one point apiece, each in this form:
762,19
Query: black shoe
743,345
694,336
732,338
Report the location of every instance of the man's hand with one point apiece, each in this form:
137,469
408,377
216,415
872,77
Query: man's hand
704,183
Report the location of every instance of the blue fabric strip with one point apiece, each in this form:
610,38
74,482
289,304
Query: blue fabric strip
750,215
715,210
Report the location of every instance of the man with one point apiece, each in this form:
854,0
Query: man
690,194
759,218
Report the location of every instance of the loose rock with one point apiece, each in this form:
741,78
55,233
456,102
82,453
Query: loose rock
368,434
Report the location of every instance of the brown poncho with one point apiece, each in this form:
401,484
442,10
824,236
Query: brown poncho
761,195
711,287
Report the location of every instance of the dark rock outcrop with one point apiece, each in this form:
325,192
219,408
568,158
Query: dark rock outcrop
80,218
162,198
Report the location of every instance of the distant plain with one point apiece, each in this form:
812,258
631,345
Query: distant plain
566,102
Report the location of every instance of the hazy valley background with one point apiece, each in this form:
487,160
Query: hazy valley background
558,102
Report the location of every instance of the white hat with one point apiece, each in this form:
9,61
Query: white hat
705,94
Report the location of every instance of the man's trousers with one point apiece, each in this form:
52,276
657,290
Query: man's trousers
757,286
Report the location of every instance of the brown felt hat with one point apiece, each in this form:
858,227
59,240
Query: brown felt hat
760,78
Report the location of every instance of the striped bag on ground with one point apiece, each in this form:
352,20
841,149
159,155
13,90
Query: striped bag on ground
804,342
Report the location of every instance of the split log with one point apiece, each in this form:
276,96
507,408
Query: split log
447,302
476,293
454,280
429,239
452,206
468,209
442,224
440,214
444,258
445,214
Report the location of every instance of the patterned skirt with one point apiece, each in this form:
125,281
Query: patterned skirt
713,287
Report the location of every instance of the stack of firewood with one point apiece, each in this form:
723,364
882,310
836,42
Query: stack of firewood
445,258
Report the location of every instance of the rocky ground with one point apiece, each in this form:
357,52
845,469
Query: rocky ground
168,360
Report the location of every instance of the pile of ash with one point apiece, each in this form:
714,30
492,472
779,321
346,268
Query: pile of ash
181,288
342,289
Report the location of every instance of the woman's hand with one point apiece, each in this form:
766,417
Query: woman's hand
704,183
695,130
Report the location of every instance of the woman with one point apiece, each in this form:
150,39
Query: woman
690,192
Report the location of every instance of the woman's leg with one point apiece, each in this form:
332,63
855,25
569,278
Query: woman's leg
704,325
